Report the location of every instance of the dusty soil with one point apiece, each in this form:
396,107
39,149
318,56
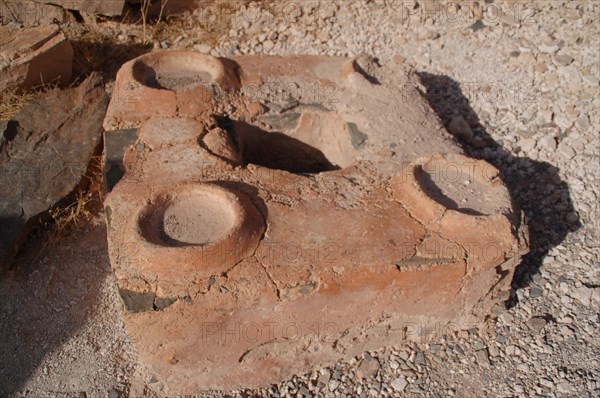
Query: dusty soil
197,219
178,82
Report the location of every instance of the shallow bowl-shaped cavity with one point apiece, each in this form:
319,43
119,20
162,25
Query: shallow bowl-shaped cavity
194,215
464,184
175,70
303,140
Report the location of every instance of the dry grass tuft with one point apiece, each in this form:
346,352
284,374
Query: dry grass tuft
170,30
66,218
85,205
144,11
63,220
11,102
145,20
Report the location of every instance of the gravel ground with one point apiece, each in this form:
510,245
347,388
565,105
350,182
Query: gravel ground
517,81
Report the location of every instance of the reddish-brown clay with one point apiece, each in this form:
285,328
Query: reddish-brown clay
314,209
182,84
33,57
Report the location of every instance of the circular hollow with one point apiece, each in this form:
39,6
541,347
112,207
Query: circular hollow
177,70
193,216
463,184
302,140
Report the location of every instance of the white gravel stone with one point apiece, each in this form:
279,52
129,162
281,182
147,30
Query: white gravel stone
547,143
399,384
526,144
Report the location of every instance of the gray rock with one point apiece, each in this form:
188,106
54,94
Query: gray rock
325,376
537,323
563,59
583,294
268,45
566,151
547,143
46,151
303,391
483,358
548,48
536,291
527,144
546,383
478,345
333,385
420,358
399,384
368,368
404,355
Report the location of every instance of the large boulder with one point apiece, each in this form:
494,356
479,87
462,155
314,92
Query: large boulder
44,152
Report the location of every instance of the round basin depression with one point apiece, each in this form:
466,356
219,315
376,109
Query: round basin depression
463,184
176,70
193,215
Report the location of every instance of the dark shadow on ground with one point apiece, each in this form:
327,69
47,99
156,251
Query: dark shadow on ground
102,55
535,186
48,295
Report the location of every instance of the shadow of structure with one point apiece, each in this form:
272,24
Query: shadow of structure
276,150
535,186
102,55
47,296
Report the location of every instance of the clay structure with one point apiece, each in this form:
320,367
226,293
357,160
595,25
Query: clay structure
276,214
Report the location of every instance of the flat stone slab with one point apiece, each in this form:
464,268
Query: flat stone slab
44,152
101,7
30,13
279,214
32,57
